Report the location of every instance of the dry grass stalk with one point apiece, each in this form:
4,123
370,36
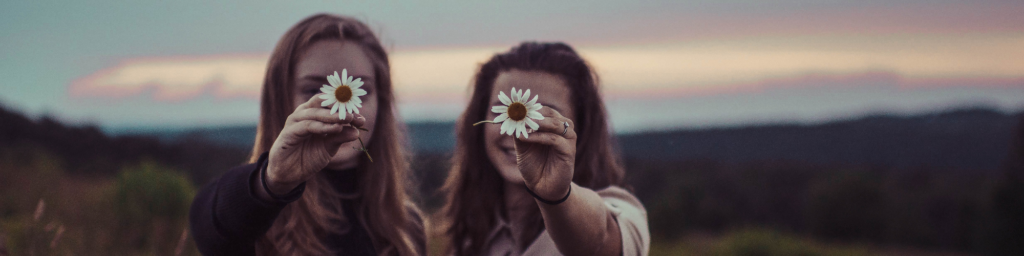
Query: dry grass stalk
181,242
56,237
40,207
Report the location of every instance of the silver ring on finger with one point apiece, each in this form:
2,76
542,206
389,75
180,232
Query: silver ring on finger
566,128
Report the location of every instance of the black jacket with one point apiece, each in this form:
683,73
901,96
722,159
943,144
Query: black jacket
227,217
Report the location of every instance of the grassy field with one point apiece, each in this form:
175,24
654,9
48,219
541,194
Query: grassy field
768,242
142,211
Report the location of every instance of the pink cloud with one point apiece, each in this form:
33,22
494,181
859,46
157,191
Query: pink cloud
627,71
176,78
822,80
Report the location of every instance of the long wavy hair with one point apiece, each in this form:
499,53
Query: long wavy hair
383,200
474,187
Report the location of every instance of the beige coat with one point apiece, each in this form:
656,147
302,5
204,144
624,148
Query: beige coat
627,210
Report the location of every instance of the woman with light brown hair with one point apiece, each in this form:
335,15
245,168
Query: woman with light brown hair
553,187
310,188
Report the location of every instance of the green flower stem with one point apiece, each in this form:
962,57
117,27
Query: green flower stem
363,146
485,121
367,151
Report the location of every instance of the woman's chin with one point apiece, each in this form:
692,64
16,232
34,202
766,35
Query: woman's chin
512,176
344,159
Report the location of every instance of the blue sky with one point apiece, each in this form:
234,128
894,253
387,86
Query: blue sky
664,64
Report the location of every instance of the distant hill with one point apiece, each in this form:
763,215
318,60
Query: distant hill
238,136
85,150
976,139
426,136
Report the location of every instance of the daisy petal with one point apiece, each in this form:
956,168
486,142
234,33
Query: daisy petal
358,92
522,129
344,76
501,117
325,96
327,102
334,80
533,125
352,107
356,84
504,99
499,109
327,89
535,107
534,100
504,127
535,115
515,95
356,100
511,128
526,96
334,109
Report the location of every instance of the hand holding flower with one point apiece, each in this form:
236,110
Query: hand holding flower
310,138
547,158
343,96
313,134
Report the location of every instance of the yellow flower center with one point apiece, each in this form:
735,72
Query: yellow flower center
343,93
517,111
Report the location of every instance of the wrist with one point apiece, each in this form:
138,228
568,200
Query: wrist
273,184
551,200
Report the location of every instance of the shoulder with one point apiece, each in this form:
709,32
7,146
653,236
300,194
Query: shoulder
236,177
619,197
631,217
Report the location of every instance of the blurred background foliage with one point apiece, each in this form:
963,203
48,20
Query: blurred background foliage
45,211
152,204
77,190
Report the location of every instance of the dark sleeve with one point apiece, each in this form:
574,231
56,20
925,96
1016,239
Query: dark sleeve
227,217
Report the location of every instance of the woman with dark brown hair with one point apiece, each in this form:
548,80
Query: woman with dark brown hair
309,190
556,189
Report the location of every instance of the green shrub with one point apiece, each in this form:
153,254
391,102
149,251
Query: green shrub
765,242
151,203
847,206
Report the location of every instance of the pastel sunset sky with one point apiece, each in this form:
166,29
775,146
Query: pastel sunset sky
662,64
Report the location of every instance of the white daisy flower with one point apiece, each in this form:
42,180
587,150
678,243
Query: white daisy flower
517,114
343,93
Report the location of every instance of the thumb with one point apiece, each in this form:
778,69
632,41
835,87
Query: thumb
519,145
522,147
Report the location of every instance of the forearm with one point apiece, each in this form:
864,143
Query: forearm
228,215
224,217
582,225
